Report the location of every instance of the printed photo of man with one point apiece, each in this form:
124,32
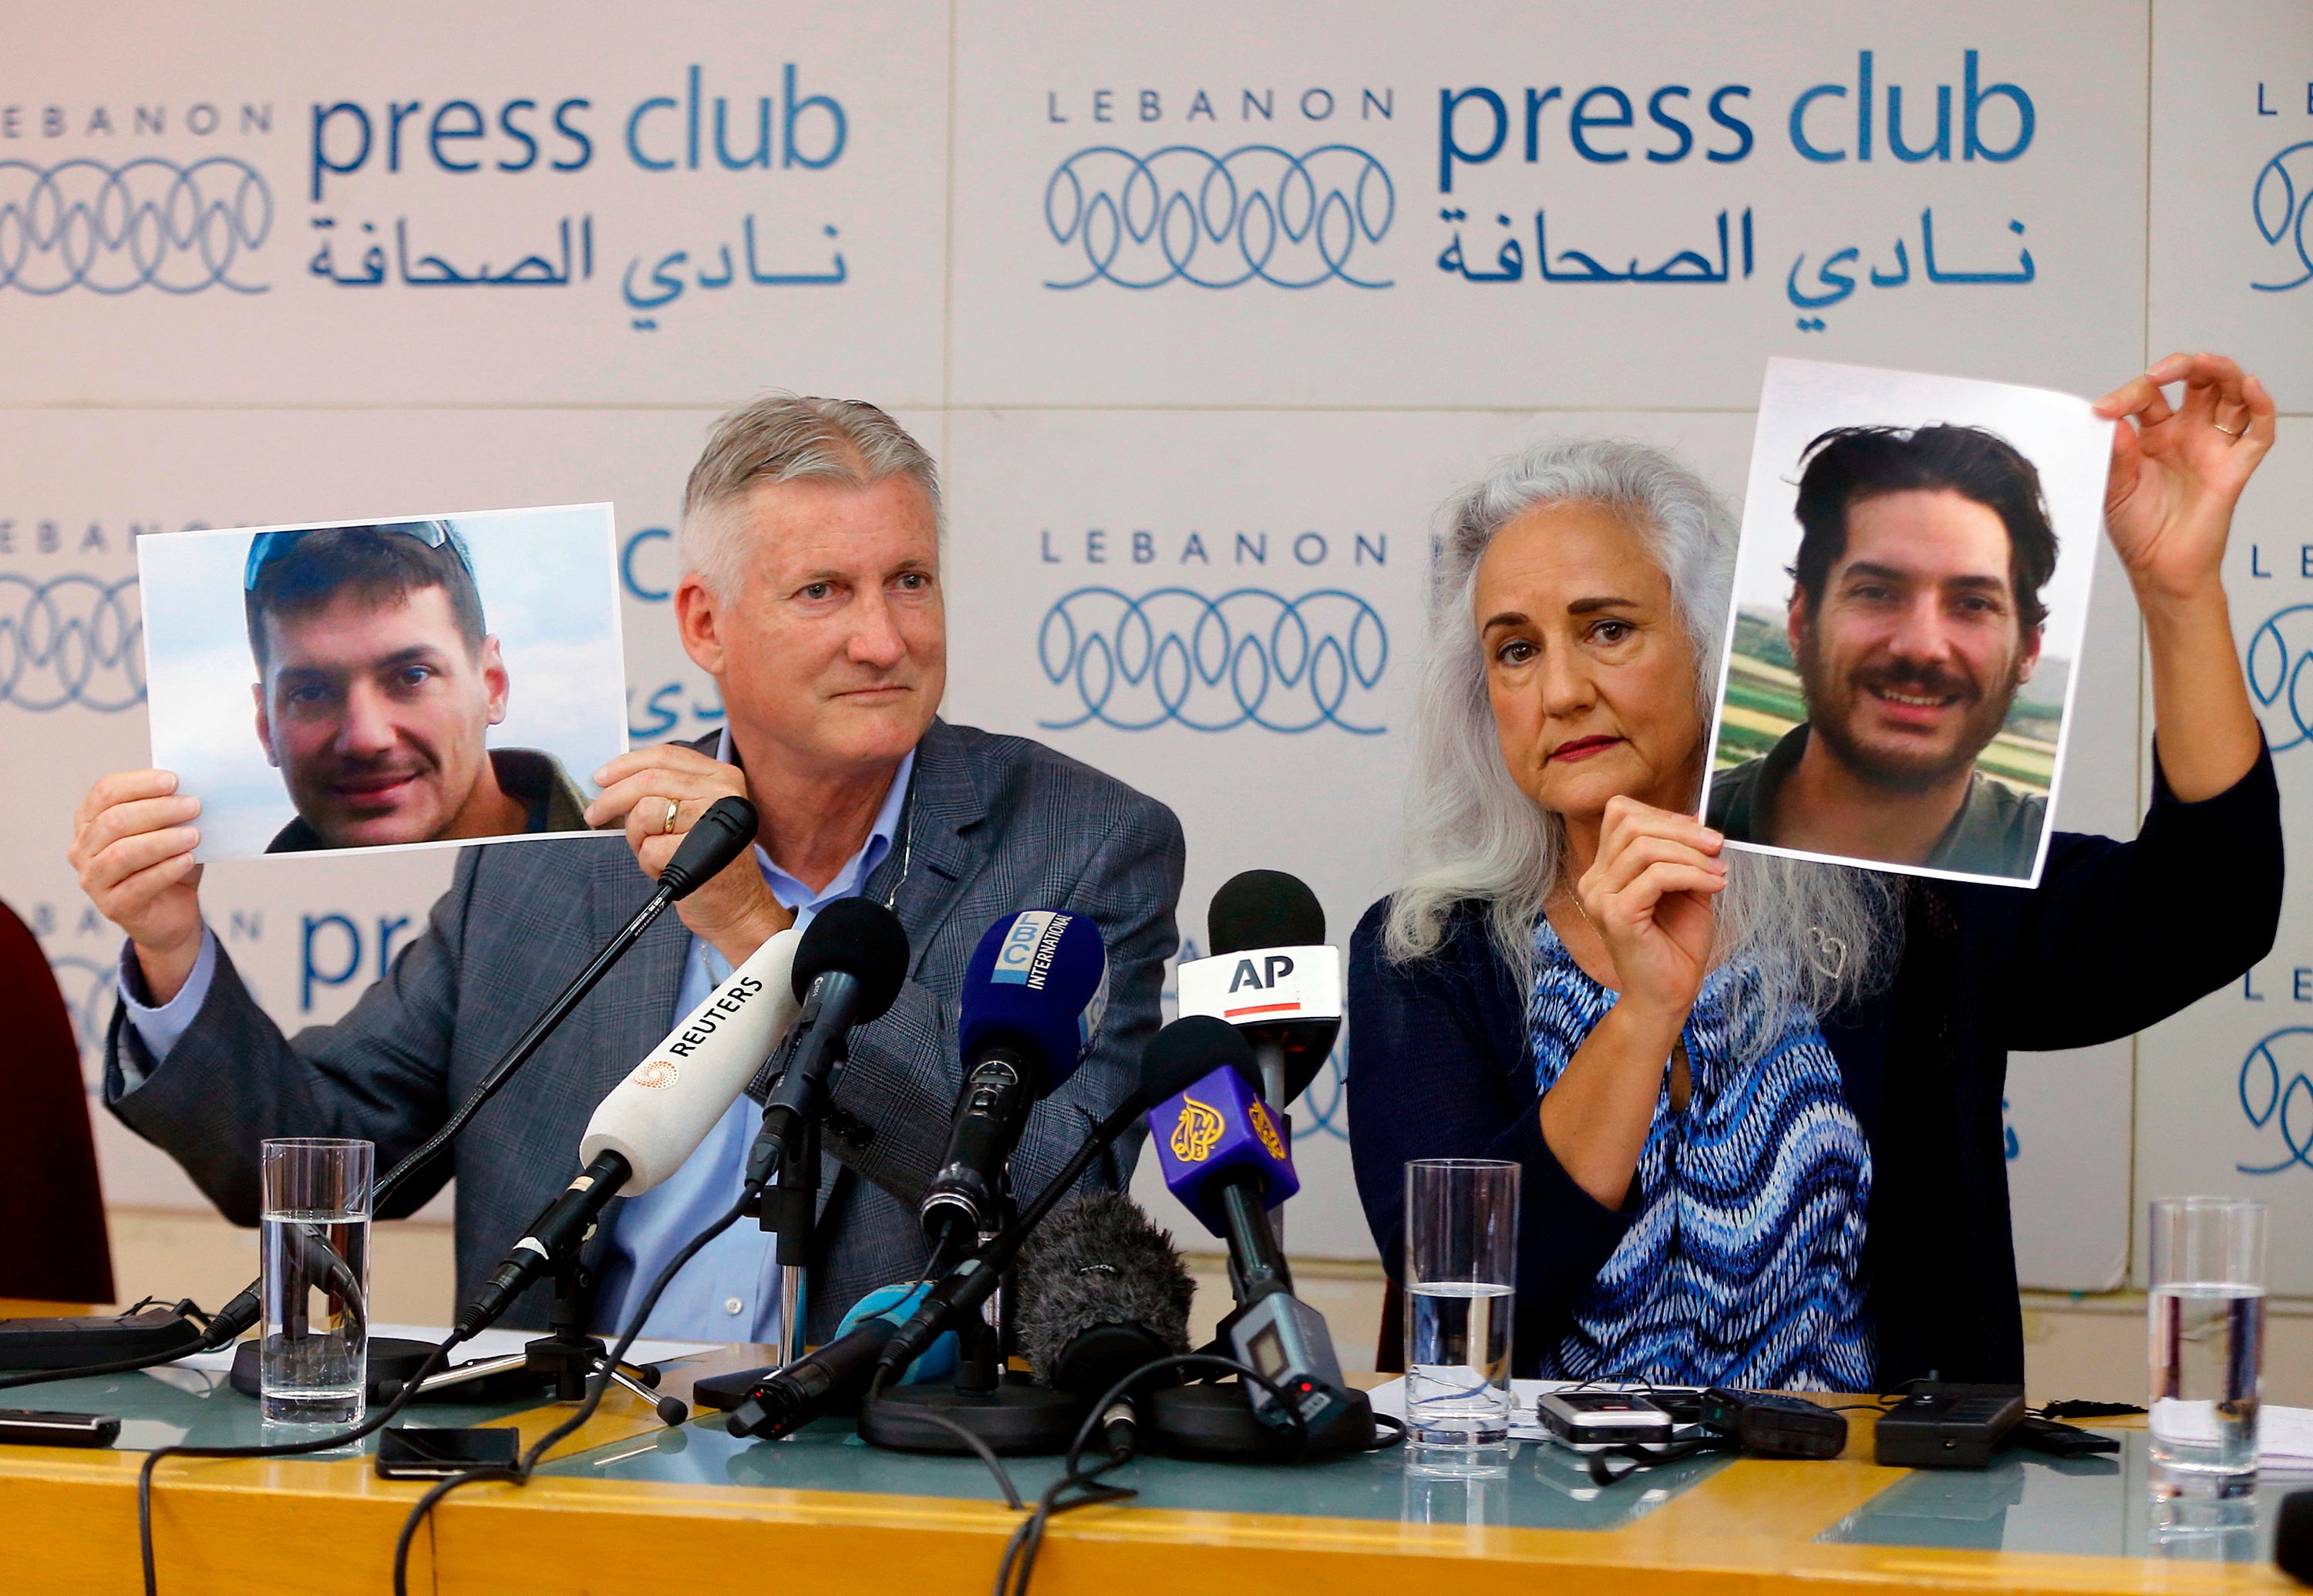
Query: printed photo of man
377,685
1915,615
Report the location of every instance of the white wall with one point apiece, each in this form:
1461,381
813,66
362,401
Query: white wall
1175,430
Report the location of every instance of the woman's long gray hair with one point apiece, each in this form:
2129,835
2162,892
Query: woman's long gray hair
1814,935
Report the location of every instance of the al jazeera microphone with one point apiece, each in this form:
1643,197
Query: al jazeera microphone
1224,1156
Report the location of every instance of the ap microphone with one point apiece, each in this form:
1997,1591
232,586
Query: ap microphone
1271,975
848,968
1033,999
653,1119
1177,1055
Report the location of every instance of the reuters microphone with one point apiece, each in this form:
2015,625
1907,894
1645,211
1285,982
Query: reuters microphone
657,1117
1033,999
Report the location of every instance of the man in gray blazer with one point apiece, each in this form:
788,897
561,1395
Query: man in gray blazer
811,594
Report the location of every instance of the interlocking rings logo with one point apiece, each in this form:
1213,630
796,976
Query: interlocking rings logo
2275,1090
146,223
1249,657
2282,202
71,640
1219,221
2275,666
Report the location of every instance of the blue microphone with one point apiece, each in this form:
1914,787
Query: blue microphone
1033,995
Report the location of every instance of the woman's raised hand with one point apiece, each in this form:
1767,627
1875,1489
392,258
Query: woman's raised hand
1647,895
2178,471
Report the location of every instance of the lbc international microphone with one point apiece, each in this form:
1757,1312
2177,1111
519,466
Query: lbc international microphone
1033,999
1183,1052
1224,1156
1272,976
849,967
657,1117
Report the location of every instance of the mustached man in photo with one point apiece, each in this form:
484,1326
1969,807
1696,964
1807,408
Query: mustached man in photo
1915,616
377,685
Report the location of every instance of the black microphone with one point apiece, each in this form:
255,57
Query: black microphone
1100,1290
567,1222
1033,999
1178,1057
785,1400
849,966
1271,975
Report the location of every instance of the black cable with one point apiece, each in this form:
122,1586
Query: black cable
2060,1412
1019,1562
1012,1498
1028,1538
1645,1457
287,1448
597,1385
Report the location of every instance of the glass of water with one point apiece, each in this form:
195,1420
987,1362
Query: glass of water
1461,1279
2207,1345
315,1366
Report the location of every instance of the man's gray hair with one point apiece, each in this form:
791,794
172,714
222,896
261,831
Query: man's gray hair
788,437
1815,935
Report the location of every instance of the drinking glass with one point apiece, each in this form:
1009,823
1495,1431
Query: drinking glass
314,1363
1461,1279
2207,1345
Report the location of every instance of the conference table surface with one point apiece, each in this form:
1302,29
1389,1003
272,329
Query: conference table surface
627,1505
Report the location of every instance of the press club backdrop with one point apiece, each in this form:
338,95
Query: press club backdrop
1203,309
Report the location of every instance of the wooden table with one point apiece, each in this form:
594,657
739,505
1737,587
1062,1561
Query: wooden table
67,1523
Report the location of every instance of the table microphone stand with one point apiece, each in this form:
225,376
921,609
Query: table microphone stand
1013,1415
569,1355
789,1205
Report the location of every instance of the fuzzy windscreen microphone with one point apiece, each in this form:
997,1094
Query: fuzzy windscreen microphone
1100,1290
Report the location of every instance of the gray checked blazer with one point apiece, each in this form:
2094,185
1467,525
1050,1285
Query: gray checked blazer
995,824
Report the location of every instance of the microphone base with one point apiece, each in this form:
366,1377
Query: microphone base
1014,1420
1214,1422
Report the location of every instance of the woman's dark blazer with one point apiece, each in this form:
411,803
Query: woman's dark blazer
2117,936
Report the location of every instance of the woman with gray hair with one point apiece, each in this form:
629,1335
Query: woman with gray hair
1757,1100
